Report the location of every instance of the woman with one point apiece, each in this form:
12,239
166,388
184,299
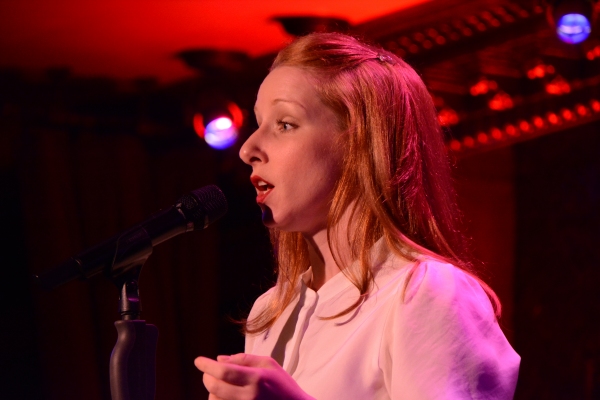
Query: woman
375,297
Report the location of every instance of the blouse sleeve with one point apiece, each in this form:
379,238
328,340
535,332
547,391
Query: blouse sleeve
442,340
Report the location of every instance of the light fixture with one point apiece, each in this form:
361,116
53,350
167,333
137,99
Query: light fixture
572,19
219,127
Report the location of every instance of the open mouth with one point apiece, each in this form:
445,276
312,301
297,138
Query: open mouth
263,188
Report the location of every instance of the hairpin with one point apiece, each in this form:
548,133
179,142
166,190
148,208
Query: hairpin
385,58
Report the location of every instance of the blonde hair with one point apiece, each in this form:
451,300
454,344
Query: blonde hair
395,177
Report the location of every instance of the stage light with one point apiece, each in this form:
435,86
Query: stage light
447,116
573,28
221,131
558,86
500,101
468,141
496,133
572,19
455,145
483,86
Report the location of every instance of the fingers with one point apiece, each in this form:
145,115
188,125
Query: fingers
219,389
249,360
238,375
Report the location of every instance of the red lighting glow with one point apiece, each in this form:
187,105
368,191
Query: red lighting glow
455,145
581,110
538,121
567,114
198,123
501,101
236,113
524,126
448,116
468,141
558,86
496,133
483,86
552,118
593,53
511,130
482,138
539,71
595,104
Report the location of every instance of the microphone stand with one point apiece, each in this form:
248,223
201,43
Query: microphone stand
133,360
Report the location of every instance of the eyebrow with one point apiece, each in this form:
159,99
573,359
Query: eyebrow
278,100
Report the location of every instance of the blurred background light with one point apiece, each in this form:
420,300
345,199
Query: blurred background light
220,133
573,28
221,130
572,19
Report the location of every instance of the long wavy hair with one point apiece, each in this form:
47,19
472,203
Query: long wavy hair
395,179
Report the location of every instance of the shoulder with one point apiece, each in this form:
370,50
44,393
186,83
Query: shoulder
442,337
261,303
434,283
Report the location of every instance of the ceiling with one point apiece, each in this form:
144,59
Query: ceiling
127,39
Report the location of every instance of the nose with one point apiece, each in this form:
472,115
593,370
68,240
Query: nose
251,152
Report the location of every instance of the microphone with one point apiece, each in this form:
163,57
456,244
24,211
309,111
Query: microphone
133,246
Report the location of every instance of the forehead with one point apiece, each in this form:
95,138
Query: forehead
288,84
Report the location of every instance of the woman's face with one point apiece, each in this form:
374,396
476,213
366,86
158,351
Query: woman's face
294,153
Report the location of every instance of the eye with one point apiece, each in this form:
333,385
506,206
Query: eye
285,126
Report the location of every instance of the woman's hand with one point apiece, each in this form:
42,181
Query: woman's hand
248,377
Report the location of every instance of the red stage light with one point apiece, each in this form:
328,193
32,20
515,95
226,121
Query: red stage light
455,145
496,133
483,86
558,86
448,116
538,122
432,33
595,104
501,101
511,130
236,113
567,114
539,71
468,141
198,123
482,138
581,110
524,126
553,118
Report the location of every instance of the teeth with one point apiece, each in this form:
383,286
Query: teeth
262,185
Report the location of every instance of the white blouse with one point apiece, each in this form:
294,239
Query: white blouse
438,339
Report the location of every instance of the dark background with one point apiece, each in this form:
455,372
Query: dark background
83,158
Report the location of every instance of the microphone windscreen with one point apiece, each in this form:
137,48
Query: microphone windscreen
204,206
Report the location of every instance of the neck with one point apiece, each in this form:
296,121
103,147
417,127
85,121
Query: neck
322,261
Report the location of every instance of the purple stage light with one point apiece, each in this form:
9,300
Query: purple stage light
220,133
573,28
